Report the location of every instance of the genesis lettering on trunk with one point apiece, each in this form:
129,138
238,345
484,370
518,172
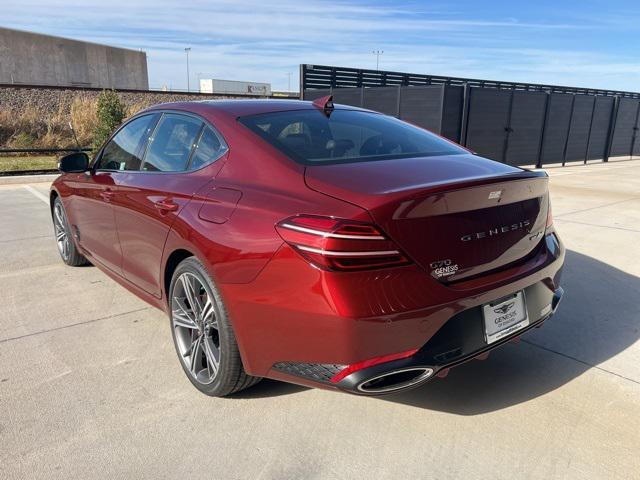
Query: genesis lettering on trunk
492,232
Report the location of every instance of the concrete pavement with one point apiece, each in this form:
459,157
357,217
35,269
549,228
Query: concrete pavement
90,386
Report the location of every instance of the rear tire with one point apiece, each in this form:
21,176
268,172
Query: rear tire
202,333
64,238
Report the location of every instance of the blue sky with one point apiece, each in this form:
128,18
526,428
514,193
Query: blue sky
578,43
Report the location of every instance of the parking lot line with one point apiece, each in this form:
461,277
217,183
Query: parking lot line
36,193
109,317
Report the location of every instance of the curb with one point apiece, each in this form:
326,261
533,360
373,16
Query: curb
24,179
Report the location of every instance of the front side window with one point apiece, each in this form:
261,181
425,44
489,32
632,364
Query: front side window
313,138
172,142
124,150
210,147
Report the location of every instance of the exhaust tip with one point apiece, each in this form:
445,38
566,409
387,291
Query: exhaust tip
395,380
557,298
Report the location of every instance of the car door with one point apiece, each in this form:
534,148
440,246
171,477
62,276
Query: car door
148,201
93,214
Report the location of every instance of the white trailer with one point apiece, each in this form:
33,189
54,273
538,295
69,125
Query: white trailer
233,87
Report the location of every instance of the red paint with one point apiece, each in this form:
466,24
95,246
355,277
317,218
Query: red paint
283,307
354,367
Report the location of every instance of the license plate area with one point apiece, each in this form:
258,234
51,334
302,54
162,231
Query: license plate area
504,317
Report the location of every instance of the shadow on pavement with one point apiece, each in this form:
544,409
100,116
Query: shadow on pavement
598,319
269,388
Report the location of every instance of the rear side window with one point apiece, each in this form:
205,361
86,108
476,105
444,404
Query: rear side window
124,150
311,137
171,144
210,147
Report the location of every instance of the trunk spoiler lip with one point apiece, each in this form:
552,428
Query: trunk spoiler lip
469,182
455,197
417,191
436,186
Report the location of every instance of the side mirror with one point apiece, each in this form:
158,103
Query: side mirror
76,162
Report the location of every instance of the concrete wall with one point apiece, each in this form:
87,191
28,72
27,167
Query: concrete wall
31,58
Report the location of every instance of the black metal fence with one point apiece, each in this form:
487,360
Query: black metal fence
519,124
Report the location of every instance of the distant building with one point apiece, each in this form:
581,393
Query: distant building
35,59
234,87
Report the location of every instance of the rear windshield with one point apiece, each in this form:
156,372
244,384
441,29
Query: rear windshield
311,137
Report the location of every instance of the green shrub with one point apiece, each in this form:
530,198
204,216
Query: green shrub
110,113
23,140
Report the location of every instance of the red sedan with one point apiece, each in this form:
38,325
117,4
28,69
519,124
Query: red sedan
313,243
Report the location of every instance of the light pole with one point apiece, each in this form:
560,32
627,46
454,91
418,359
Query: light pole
377,53
289,81
187,50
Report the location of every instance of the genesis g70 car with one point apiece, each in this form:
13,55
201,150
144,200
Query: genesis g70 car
313,243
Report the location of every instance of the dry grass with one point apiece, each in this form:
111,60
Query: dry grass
30,128
136,107
83,118
27,163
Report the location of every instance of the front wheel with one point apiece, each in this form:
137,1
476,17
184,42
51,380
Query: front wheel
66,246
202,334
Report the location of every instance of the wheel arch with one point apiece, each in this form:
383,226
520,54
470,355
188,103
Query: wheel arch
173,260
53,194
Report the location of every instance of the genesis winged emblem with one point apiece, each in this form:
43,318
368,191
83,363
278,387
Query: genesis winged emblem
504,308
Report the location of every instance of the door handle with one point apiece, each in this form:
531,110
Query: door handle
166,205
107,194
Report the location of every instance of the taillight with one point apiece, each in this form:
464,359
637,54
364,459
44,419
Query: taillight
338,244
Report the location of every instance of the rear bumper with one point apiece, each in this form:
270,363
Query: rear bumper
459,341
303,325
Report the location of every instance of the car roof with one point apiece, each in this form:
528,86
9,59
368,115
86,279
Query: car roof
241,107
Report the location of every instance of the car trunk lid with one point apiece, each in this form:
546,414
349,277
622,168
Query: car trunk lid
457,216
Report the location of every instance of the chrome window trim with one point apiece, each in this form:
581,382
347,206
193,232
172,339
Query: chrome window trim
160,113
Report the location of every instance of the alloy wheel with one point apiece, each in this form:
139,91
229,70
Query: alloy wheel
194,320
60,227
